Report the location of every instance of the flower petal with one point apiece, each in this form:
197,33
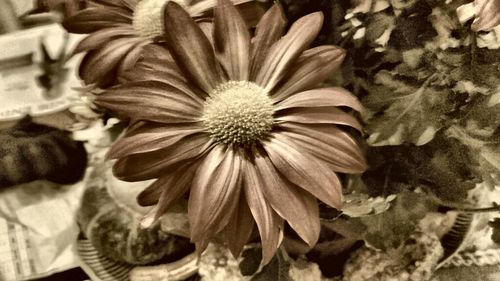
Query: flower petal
214,192
200,7
319,115
152,101
232,41
251,11
93,19
239,228
137,167
268,31
329,144
488,15
270,225
298,207
201,246
130,59
190,48
99,38
208,30
156,63
311,68
151,194
171,186
150,137
284,52
98,65
130,4
304,170
333,96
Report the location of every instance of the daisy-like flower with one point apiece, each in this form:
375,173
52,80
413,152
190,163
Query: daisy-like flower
119,29
241,126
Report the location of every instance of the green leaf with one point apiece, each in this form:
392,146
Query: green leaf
390,229
276,270
250,263
484,147
442,167
362,205
405,112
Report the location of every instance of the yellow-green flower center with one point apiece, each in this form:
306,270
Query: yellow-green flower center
148,17
238,112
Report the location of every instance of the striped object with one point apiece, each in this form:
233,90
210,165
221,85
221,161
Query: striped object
453,240
31,151
100,268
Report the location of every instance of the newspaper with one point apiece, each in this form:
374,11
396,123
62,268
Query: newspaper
38,229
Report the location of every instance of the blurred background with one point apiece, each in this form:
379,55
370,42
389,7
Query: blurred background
41,166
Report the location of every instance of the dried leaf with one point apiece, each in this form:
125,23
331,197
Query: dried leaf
361,205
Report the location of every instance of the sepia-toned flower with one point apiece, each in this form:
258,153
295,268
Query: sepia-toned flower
241,125
119,29
487,15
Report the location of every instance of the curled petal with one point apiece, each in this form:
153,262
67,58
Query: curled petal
298,207
130,59
99,65
284,52
157,64
311,68
214,193
166,191
208,30
303,170
323,97
151,194
190,47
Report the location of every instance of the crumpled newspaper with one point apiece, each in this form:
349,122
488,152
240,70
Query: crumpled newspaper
37,226
37,229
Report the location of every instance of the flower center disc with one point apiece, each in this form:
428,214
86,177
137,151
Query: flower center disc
148,17
238,112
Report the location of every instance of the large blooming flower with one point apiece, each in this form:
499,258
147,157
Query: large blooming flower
240,125
119,29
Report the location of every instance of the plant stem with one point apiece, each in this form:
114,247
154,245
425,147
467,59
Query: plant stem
475,210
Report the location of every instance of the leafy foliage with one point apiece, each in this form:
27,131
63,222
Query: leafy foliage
277,269
392,228
250,261
442,167
360,205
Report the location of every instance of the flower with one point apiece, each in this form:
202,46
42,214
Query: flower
487,15
240,125
119,29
